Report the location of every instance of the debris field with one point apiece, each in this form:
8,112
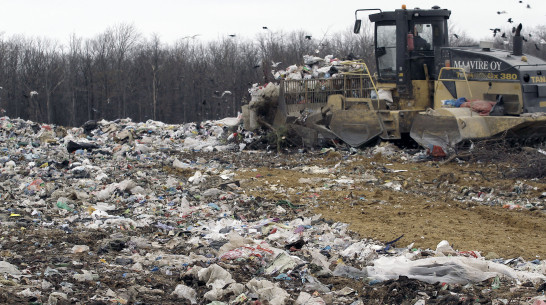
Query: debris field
153,213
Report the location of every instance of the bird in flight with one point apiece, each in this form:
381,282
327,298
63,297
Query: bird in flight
192,36
456,36
264,27
217,94
275,64
231,35
495,30
308,37
501,12
510,20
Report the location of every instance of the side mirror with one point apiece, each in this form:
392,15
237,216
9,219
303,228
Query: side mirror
358,23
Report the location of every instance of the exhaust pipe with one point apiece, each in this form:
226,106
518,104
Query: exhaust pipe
518,42
518,45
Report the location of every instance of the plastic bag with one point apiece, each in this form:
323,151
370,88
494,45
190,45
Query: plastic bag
451,270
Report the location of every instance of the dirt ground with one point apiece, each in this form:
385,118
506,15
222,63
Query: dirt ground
468,204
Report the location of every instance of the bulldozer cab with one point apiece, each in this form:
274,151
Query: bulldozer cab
407,41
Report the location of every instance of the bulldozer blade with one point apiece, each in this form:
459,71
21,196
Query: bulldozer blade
447,128
355,127
429,131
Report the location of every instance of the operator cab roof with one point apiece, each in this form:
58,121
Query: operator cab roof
436,11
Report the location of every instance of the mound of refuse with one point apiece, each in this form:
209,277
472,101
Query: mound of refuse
120,212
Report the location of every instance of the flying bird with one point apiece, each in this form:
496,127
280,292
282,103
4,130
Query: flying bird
503,35
256,66
528,6
217,94
275,64
510,20
231,35
191,37
495,31
501,12
308,37
264,27
456,36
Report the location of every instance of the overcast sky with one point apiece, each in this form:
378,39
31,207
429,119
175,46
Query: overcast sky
213,19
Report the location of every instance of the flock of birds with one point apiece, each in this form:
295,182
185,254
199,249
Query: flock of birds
514,29
495,31
308,37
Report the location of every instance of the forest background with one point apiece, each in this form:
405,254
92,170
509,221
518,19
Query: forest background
122,74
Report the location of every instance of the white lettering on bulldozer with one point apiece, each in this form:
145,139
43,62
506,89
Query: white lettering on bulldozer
473,65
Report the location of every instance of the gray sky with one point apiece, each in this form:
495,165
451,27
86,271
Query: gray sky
213,19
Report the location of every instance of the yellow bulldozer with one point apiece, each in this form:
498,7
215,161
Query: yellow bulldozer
440,96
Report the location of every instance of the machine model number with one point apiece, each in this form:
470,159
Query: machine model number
493,76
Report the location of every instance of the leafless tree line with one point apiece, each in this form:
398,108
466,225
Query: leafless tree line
119,73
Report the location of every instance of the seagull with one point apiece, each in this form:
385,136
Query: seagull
33,93
510,20
264,27
191,37
275,64
256,66
528,6
231,35
308,37
542,41
501,12
456,36
503,35
218,95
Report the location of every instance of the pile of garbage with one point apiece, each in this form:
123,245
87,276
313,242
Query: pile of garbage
118,212
318,67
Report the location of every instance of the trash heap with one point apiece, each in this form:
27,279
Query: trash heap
264,98
317,67
118,212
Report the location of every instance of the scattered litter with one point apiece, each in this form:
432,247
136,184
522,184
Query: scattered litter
123,212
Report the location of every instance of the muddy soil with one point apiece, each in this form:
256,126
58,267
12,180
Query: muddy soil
435,201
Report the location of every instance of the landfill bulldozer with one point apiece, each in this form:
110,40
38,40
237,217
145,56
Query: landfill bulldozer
440,96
